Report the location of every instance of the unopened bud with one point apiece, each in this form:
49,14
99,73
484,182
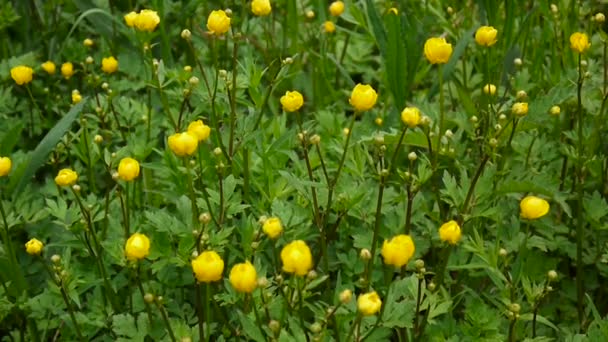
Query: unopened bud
518,62
115,175
287,61
193,81
105,86
217,151
497,127
514,307
149,298
521,95
493,142
379,140
263,282
310,14
346,296
204,218
188,68
223,73
503,252
431,286
552,275
312,274
186,34
365,254
76,187
474,119
316,327
89,60
425,120
255,245
600,17
449,133
56,259
412,156
274,326
419,264
315,139
555,110
554,8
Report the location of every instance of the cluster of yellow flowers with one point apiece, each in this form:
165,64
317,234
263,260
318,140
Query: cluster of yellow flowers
146,20
185,143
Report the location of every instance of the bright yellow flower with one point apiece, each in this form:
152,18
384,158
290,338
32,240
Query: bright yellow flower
130,18
579,42
292,101
137,247
336,8
22,74
66,177
450,232
363,97
489,89
109,65
128,169
329,27
398,251
411,116
34,247
532,207
555,110
296,258
208,267
147,20
183,144
273,227
5,166
218,22
67,70
261,7
199,129
437,50
76,97
243,277
369,304
486,36
49,67
520,108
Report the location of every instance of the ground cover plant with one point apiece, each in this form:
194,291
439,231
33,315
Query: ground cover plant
291,170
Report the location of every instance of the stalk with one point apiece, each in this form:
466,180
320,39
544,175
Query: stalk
580,285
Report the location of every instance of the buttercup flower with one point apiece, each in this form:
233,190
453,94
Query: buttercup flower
329,27
34,247
261,7
437,50
398,250
336,8
555,110
67,70
199,129
411,116
109,65
520,108
88,42
137,247
5,166
208,267
489,89
146,20
532,207
579,42
272,227
363,97
486,36
76,97
243,277
292,101
128,169
49,67
130,18
296,258
369,304
218,22
66,177
183,144
450,232
22,74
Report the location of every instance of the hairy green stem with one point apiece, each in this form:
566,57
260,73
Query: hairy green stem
580,285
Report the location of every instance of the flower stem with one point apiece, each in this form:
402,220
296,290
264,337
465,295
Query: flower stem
70,310
580,285
143,295
199,311
163,313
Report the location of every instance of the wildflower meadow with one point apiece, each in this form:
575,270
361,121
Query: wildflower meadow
303,170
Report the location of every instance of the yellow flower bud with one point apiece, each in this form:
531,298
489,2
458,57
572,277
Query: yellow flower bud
273,227
34,247
336,8
137,247
67,70
369,304
292,101
49,67
346,296
363,97
66,177
378,121
109,65
183,144
22,74
532,207
243,277
261,7
520,108
296,258
329,27
208,267
555,110
486,36
218,22
5,166
128,169
450,232
398,250
130,18
599,17
88,42
437,50
489,89
199,130
76,97
146,20
411,116
310,14
579,42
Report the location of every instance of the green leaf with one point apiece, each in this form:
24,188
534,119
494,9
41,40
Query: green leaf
250,328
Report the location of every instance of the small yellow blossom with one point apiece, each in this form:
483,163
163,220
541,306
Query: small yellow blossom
88,42
489,89
199,129
398,251
218,22
555,110
292,101
579,42
183,144
363,97
22,74
273,227
147,20
76,97
336,8
34,247
450,232
109,65
520,108
437,50
130,18
261,7
486,36
137,247
5,166
66,177
128,169
243,277
329,27
296,258
49,67
369,304
208,267
67,70
411,116
532,207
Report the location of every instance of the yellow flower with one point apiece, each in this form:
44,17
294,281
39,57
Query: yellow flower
378,121
393,10
437,50
296,258
336,8
243,277
146,20
34,247
363,97
486,36
208,267
49,67
88,42
450,232
329,27
398,250
411,116
130,18
555,110
489,89
199,130
76,97
109,65
273,227
137,247
22,74
5,166
128,169
67,70
292,101
183,144
579,42
369,304
520,108
261,7
532,207
218,22
66,177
